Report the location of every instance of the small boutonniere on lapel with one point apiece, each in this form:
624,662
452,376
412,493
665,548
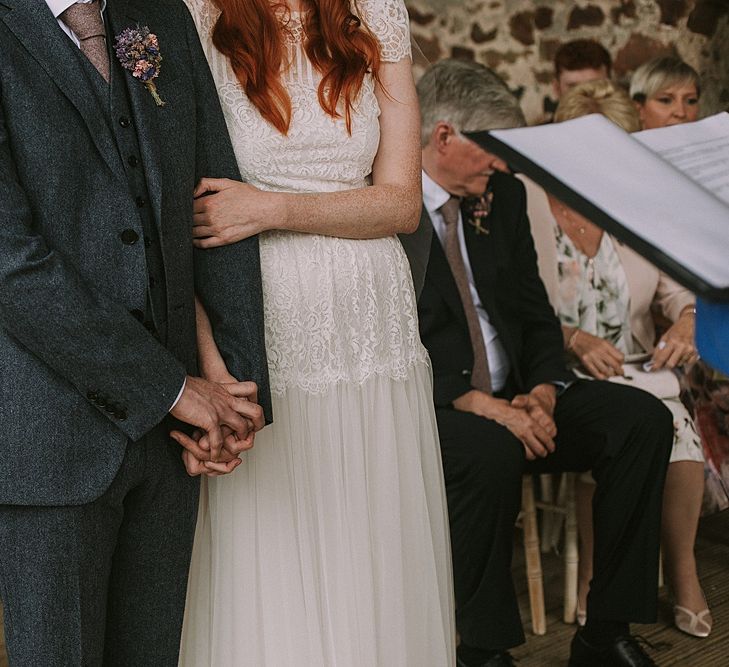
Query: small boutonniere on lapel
138,52
477,210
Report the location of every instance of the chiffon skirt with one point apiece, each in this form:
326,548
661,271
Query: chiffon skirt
328,546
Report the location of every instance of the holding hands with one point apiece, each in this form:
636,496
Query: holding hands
227,416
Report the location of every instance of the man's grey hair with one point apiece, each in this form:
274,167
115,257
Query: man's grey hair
468,96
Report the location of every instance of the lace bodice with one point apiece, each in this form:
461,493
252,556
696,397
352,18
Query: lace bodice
317,155
336,310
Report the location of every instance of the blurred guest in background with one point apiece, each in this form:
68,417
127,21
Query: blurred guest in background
506,403
603,293
666,91
578,61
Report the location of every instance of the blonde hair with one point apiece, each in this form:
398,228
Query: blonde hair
659,73
603,97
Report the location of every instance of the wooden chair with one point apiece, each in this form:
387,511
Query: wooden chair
556,513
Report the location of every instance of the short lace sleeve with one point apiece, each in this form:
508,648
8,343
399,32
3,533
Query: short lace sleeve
388,20
195,7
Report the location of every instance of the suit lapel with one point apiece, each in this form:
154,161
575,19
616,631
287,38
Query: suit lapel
417,248
119,16
38,31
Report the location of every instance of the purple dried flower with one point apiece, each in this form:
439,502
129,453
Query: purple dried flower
138,52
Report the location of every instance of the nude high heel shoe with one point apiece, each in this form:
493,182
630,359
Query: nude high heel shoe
694,624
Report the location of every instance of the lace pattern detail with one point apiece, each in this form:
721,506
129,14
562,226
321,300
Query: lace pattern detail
336,310
388,20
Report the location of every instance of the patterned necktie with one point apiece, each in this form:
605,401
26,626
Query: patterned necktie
84,19
481,376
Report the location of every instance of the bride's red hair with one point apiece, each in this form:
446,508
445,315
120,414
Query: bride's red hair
337,43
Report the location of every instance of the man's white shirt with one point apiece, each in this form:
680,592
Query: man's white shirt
434,196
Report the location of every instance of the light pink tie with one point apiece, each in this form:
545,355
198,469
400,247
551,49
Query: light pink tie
481,375
84,19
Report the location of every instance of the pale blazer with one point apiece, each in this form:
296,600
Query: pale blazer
647,285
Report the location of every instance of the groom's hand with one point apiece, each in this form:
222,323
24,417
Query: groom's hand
196,458
211,406
196,467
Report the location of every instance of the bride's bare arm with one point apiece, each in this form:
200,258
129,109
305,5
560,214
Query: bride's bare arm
212,364
389,206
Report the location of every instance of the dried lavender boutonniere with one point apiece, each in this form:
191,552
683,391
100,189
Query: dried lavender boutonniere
477,210
138,51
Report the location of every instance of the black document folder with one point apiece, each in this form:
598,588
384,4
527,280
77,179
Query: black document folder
664,193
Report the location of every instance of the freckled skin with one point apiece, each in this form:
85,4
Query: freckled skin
391,205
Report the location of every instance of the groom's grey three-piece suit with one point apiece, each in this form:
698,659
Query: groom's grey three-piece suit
97,333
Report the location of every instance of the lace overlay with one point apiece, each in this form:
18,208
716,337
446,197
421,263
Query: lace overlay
336,310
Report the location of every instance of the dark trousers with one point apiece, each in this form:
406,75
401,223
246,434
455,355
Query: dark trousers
624,436
102,583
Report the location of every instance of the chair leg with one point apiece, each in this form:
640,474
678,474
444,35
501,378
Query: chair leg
555,528
571,553
661,581
533,557
546,484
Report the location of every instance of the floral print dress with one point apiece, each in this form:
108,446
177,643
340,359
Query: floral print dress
594,296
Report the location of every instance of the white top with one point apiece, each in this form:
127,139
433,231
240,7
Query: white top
434,196
60,6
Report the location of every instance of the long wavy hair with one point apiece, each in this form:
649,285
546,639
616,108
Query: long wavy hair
250,34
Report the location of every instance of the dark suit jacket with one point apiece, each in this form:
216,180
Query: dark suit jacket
68,283
504,266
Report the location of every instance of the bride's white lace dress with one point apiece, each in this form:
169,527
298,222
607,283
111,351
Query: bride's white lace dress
328,547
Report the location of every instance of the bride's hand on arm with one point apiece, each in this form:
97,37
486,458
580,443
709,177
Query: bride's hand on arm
231,211
228,211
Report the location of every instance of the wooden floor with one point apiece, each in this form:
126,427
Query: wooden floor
673,647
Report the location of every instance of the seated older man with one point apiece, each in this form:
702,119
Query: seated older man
505,402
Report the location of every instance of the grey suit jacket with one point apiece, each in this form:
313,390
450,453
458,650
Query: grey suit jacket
417,248
67,282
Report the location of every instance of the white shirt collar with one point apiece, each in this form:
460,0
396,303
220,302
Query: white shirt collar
434,196
60,6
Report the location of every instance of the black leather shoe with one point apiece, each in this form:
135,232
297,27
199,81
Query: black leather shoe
625,651
501,659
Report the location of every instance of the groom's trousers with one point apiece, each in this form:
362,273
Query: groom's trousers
103,583
621,434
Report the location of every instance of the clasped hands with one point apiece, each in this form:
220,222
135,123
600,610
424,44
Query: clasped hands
529,417
226,415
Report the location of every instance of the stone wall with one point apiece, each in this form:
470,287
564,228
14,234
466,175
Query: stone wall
518,38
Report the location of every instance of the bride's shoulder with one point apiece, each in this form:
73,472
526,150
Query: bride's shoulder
203,12
199,8
388,20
